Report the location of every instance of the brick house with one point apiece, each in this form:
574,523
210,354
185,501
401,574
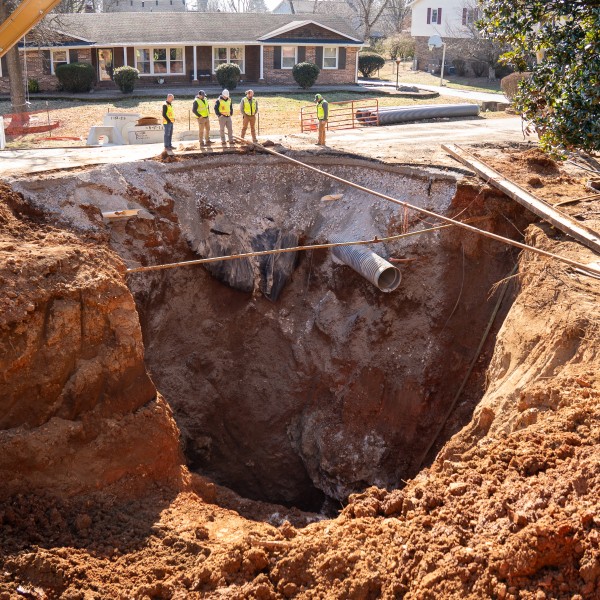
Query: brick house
185,48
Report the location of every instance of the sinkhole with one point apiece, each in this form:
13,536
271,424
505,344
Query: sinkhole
293,378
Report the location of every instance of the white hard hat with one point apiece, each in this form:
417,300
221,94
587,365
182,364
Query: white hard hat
225,93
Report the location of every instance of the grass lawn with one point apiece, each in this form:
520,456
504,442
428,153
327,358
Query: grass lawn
279,114
406,76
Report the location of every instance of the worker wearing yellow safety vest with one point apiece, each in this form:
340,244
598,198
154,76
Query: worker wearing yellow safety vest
168,115
224,110
201,112
249,110
322,116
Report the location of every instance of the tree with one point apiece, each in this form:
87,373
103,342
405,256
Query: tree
395,15
368,12
14,67
562,97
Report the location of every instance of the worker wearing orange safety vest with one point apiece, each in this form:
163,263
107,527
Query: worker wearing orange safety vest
224,110
249,110
322,116
168,115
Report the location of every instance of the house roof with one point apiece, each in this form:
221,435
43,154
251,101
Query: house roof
189,27
297,25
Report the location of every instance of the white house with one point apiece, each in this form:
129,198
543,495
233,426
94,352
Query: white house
452,20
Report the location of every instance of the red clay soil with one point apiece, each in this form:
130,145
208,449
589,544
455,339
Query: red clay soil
508,509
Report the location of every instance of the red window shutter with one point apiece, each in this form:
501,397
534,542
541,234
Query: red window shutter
428,16
439,16
464,22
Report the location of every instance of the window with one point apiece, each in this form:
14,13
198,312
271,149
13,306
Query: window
142,60
330,58
288,56
159,57
470,15
434,16
176,60
159,61
58,57
234,54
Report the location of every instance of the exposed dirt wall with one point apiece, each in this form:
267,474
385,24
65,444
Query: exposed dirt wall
77,409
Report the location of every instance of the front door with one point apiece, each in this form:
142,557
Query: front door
105,64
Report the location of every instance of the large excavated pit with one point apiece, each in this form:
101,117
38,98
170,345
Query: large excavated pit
292,378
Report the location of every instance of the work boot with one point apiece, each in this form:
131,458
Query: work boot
208,142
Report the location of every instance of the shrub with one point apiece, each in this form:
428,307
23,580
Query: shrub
76,77
460,66
305,74
125,78
400,46
478,67
33,86
510,84
502,70
228,75
369,62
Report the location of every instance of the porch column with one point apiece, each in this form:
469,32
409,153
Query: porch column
125,56
195,63
261,76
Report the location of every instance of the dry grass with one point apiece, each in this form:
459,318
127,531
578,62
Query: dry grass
406,76
279,113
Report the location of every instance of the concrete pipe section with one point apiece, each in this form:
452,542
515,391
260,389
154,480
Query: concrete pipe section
371,266
391,115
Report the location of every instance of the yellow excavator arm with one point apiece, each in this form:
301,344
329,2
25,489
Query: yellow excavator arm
26,16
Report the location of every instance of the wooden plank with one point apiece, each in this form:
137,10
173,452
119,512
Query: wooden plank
566,224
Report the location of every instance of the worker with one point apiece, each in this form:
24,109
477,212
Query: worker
224,110
168,120
249,110
201,112
322,115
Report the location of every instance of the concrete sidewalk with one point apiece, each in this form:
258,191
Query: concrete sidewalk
409,143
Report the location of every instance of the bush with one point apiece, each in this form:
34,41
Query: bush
460,66
369,62
400,46
33,86
228,75
478,68
305,74
502,70
76,77
510,84
125,78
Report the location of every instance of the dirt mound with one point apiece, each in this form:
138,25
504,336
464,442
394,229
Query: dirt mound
539,162
76,405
